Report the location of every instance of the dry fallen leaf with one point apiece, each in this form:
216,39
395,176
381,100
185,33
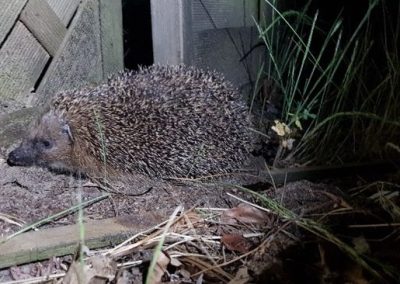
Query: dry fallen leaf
242,276
175,262
97,269
244,213
161,267
235,242
185,274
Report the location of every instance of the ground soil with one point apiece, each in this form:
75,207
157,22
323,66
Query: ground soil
31,194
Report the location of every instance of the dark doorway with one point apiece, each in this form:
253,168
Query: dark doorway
138,47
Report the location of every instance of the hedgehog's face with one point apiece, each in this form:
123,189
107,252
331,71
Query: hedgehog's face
49,144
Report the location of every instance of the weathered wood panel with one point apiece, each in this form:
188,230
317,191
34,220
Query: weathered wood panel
44,244
9,12
22,60
13,126
209,34
223,32
171,31
222,49
44,24
64,9
75,59
111,41
79,59
211,14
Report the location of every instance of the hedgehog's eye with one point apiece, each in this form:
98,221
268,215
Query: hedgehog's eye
46,144
42,144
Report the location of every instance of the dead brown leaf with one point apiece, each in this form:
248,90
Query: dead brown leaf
242,276
161,267
97,269
244,213
235,242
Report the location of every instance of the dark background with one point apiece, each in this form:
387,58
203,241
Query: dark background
137,24
138,48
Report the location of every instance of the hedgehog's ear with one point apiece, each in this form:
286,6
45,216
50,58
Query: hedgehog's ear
67,130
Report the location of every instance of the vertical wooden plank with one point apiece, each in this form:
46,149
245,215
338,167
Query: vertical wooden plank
13,125
208,34
9,12
171,31
210,14
44,24
78,61
111,36
64,9
222,50
22,60
186,31
222,32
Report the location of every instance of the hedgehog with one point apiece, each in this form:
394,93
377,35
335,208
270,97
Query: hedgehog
159,121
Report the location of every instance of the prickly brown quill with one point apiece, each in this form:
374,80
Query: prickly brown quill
159,121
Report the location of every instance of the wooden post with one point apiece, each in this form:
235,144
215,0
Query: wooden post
111,41
171,30
209,34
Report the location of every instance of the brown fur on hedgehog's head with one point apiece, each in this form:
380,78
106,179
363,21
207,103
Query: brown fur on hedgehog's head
49,144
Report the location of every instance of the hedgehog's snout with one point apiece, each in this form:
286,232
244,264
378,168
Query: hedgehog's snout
20,157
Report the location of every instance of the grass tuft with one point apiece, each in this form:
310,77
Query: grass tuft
338,104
